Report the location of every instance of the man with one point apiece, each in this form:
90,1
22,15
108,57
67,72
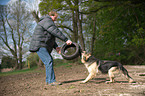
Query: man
43,42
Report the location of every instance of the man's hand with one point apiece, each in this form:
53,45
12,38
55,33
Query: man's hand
58,50
68,42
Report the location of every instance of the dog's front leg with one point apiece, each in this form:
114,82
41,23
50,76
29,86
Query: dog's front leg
90,76
97,70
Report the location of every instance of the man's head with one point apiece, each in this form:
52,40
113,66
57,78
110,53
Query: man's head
53,15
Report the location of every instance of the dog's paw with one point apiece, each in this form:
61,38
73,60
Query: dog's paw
108,82
131,81
82,82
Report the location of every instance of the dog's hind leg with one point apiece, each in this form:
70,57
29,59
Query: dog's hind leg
111,74
125,72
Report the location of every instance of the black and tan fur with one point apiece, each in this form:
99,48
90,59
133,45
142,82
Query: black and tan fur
95,65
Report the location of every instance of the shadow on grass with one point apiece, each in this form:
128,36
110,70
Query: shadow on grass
98,80
91,81
104,80
95,81
71,81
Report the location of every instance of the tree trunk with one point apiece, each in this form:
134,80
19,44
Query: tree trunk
81,37
93,35
20,58
75,27
19,38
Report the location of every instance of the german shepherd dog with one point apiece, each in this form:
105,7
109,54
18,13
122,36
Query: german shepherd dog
95,65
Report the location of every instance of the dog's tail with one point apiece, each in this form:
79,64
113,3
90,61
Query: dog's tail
125,72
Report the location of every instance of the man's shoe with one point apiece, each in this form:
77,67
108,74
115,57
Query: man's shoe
55,83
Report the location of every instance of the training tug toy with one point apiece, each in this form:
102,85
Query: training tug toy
70,52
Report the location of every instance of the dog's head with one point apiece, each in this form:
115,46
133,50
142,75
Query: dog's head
85,56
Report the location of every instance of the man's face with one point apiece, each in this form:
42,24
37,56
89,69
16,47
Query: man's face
53,18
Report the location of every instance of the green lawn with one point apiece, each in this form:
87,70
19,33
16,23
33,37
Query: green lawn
19,71
58,63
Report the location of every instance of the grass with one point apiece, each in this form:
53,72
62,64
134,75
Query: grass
57,63
19,71
60,62
63,64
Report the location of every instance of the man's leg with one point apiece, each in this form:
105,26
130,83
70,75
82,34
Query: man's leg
48,61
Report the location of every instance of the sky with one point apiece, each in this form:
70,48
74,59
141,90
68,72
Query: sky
4,2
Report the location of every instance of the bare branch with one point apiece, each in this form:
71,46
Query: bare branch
35,15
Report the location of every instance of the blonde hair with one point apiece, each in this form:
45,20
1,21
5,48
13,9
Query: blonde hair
52,13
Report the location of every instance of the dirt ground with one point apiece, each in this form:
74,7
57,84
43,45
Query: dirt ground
33,84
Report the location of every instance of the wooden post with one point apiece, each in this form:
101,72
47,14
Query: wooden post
28,64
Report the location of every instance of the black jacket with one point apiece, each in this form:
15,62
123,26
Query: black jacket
44,35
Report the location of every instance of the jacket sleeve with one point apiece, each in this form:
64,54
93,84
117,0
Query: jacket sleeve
50,27
55,45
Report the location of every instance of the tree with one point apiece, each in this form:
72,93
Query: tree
121,29
7,62
108,26
16,24
34,60
71,17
